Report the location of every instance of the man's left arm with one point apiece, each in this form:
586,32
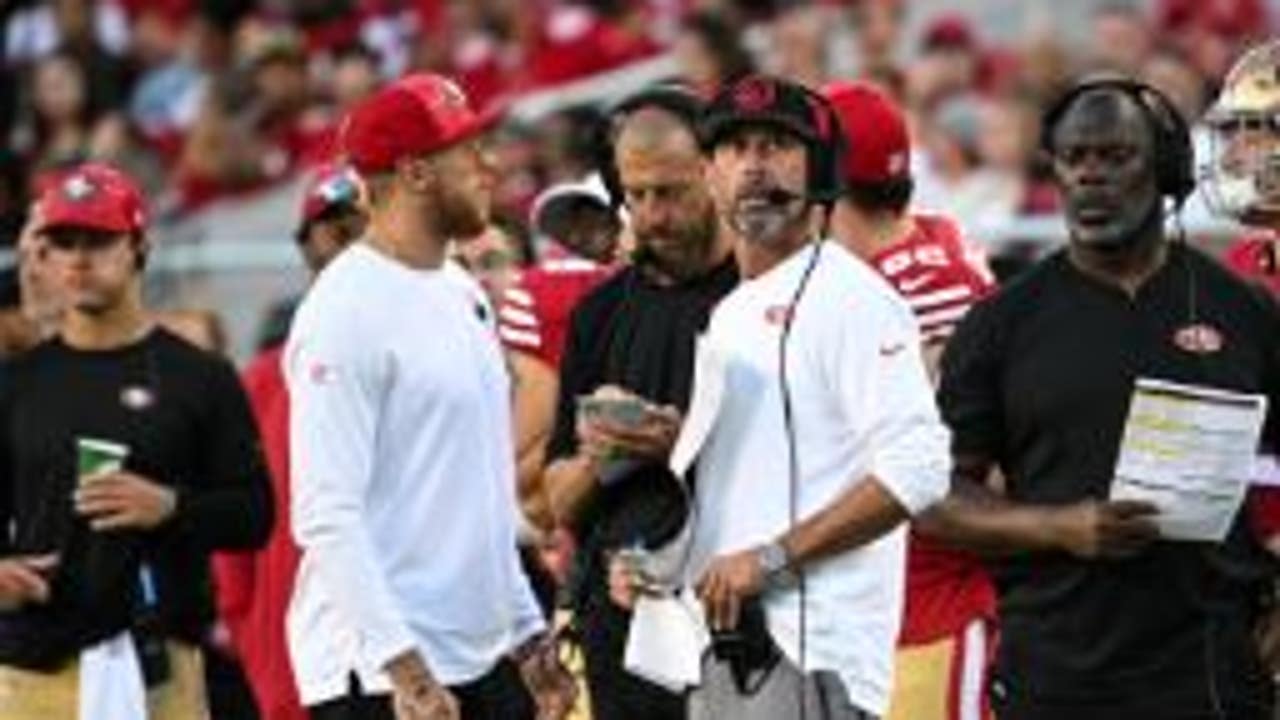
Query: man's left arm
232,508
228,507
909,444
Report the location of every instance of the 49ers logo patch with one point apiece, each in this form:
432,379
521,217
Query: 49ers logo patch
777,314
1200,339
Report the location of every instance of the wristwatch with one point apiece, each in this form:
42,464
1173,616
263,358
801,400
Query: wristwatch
775,563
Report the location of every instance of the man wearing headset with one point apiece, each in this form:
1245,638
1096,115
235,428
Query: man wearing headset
1101,617
826,440
632,339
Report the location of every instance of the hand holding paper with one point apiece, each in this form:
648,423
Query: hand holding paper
1189,451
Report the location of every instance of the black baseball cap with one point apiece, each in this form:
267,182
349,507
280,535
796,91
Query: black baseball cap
765,100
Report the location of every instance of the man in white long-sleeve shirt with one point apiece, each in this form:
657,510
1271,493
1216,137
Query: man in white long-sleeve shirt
817,459
410,601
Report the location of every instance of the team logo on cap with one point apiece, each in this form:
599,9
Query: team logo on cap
754,95
1199,339
78,188
452,94
897,163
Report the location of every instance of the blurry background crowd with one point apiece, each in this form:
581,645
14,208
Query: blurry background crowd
219,107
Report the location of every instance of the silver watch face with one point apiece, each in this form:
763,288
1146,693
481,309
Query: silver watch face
773,559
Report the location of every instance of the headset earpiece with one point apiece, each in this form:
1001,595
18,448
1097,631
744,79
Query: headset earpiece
825,183
1174,154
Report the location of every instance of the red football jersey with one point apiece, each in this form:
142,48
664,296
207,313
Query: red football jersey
941,276
1255,256
533,316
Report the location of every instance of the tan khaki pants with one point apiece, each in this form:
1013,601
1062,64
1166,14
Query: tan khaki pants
26,695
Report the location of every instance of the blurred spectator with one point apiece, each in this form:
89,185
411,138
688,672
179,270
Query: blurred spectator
41,28
949,62
1236,20
798,43
42,301
177,71
13,197
710,53
580,218
354,77
493,258
222,155
1120,39
878,27
953,180
1170,73
279,108
1008,149
62,120
568,144
575,41
17,333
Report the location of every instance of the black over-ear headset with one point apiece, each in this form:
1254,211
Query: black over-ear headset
826,152
1174,155
674,99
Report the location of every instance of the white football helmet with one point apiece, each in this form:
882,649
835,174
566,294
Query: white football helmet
1242,179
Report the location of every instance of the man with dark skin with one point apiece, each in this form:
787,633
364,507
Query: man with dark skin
1100,616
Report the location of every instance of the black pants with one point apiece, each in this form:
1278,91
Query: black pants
615,693
499,695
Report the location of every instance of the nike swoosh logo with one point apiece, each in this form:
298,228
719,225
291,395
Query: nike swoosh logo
910,286
891,350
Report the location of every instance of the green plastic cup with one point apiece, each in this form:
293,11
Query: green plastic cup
94,457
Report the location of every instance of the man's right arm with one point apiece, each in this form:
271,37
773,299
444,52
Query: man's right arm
334,387
572,474
22,578
977,517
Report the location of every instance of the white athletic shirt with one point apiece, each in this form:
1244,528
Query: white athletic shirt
862,406
404,495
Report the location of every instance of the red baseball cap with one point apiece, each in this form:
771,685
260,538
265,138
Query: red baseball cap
416,115
96,197
879,148
330,186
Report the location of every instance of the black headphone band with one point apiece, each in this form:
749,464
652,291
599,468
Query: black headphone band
1174,154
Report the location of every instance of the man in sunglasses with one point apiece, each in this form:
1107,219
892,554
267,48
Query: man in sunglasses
254,587
126,456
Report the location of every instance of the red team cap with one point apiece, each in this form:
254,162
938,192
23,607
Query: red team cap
879,149
330,186
94,196
416,115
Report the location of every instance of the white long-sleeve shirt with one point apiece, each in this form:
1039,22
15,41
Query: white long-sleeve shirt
404,500
863,406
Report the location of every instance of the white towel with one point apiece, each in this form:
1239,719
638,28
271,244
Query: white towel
666,641
111,684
